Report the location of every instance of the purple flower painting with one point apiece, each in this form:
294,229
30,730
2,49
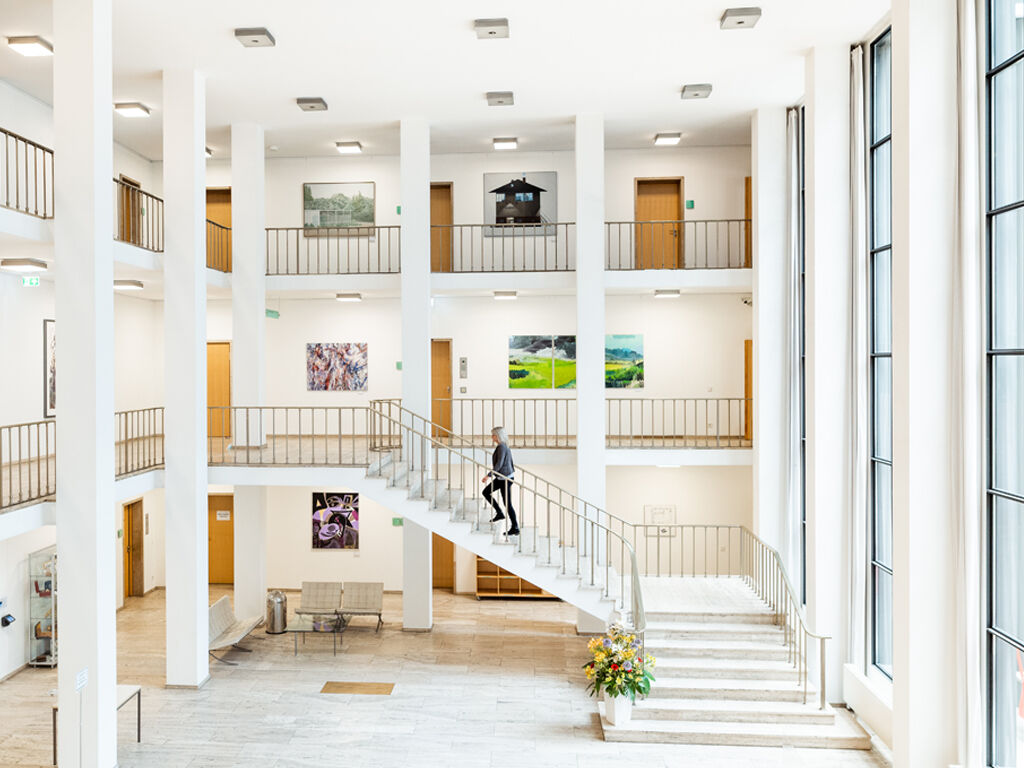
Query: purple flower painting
336,520
336,367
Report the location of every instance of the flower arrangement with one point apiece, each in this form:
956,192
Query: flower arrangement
619,667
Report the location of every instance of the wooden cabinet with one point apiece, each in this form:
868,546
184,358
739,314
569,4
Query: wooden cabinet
492,581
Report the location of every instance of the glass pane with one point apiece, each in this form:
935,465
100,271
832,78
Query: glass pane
883,513
881,279
883,621
1007,705
1008,136
1008,423
1007,19
880,94
881,198
1008,567
881,406
1008,280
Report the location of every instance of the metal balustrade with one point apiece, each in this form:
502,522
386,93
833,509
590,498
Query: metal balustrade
28,469
541,422
138,440
334,250
218,246
138,217
26,176
544,247
682,244
680,422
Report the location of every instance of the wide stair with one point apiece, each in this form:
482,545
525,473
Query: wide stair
724,675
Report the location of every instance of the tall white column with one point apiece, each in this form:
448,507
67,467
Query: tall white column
250,510
771,327
417,551
924,151
828,346
83,254
184,110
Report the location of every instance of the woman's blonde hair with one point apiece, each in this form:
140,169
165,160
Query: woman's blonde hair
501,434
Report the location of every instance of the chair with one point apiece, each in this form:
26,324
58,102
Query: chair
226,630
364,598
320,598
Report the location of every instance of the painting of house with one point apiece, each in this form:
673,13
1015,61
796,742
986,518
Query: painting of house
518,199
343,205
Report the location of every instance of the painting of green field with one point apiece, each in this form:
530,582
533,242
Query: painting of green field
542,362
563,357
624,361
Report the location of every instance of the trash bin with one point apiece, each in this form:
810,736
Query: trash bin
277,612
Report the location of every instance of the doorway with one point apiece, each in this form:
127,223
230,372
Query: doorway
659,216
441,386
129,210
218,388
441,221
134,568
218,239
748,388
221,539
444,563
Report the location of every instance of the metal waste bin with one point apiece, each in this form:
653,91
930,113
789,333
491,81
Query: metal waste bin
277,612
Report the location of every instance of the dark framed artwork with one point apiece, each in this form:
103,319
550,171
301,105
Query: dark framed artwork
335,520
49,369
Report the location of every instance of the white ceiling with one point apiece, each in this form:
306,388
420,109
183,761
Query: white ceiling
378,62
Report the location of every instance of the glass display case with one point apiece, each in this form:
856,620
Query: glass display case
42,629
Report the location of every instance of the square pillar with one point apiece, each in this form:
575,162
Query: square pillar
250,510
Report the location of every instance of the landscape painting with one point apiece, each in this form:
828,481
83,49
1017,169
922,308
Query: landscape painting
542,362
336,520
49,369
563,361
346,205
624,361
340,367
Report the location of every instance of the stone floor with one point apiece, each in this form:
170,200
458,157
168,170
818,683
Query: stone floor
497,683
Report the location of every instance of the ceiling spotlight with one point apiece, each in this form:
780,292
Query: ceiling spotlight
30,46
311,104
348,147
672,293
666,139
128,285
487,29
23,265
510,142
506,295
696,91
131,109
209,152
500,98
740,18
255,37
349,297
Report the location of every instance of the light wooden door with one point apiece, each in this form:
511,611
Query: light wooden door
129,211
441,385
748,215
444,563
134,568
218,242
659,235
441,214
218,388
221,539
748,388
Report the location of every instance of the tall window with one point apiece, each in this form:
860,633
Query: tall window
880,363
802,299
1005,373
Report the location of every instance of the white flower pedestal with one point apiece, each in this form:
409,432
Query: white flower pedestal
617,709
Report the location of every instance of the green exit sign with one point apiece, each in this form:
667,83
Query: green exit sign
273,314
30,281
397,522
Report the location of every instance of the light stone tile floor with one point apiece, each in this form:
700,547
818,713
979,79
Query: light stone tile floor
497,684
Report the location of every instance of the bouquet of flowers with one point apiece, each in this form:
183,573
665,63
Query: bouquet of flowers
619,667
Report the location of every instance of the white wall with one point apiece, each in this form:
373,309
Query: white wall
701,495
14,586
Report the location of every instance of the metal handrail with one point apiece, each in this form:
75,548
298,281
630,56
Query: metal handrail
218,246
138,440
138,217
531,422
679,422
26,185
678,244
540,247
334,250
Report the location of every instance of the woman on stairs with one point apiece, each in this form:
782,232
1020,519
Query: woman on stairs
500,480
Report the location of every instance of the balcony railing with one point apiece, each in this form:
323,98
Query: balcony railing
690,244
547,247
26,176
334,250
138,440
218,246
680,422
139,217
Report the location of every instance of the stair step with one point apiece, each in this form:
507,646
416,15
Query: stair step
703,710
666,687
718,649
713,616
734,669
672,630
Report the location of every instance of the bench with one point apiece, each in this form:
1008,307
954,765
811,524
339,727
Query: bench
226,631
320,598
363,598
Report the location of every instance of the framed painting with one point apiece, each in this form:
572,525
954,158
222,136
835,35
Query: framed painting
49,369
339,209
542,362
514,201
624,361
335,520
336,367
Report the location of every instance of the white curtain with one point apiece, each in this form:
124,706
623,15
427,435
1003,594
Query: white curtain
792,482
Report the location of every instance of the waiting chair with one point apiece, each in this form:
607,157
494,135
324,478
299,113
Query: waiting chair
364,599
320,598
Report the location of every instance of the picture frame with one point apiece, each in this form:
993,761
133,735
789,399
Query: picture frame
662,517
339,209
49,369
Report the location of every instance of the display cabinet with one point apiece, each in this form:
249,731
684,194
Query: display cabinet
42,586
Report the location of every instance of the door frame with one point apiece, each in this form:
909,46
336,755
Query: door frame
129,575
637,182
451,245
451,383
129,209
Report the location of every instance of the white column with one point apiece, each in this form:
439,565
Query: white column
248,279
184,110
250,510
924,150
828,346
417,551
83,254
771,326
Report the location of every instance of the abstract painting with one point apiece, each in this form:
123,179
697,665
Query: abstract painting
340,205
520,198
542,362
336,367
336,520
49,369
624,361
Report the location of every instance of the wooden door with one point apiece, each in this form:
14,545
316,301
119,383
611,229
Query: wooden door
441,214
129,211
134,568
218,241
748,224
748,389
444,563
218,388
221,539
441,385
659,236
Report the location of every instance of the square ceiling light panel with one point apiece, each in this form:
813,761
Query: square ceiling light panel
696,91
740,18
500,98
255,37
30,46
491,29
311,104
131,109
666,139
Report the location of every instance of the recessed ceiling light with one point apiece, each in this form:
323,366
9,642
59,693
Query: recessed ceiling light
255,37
672,293
487,29
128,285
30,46
740,18
500,98
23,265
667,466
510,142
696,91
311,104
209,152
506,295
131,109
348,147
349,297
666,139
